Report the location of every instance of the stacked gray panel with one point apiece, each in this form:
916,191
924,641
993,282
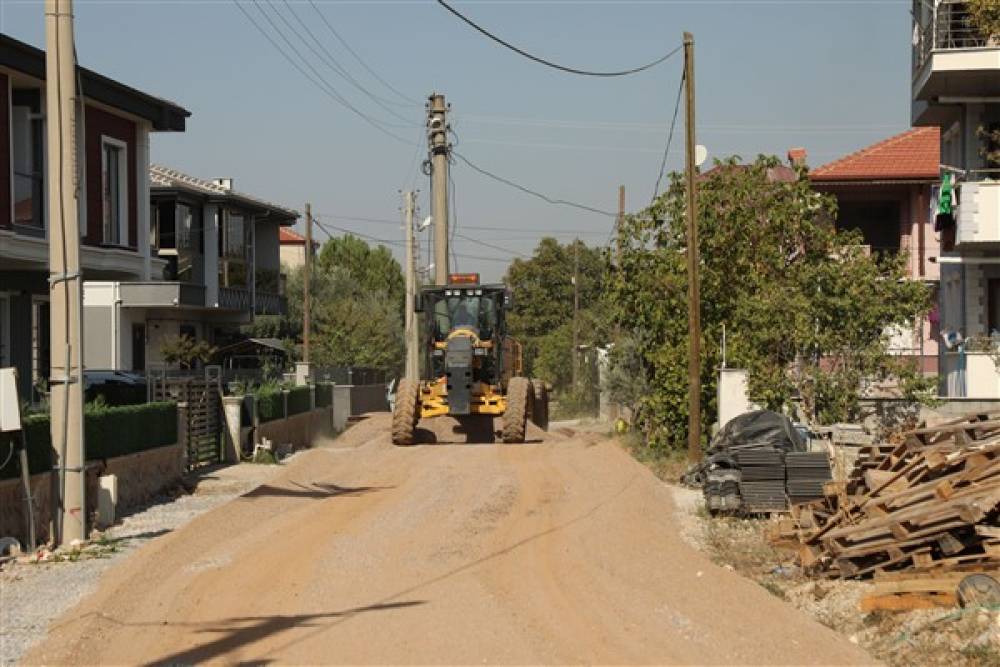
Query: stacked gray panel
806,473
762,487
767,496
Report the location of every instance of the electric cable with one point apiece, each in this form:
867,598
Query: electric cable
516,186
527,231
337,68
549,63
491,246
670,138
333,95
330,234
360,60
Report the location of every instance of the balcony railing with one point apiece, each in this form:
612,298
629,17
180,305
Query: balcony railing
235,298
949,28
261,303
268,303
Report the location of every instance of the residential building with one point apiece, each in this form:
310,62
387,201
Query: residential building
956,87
887,192
221,253
116,122
293,248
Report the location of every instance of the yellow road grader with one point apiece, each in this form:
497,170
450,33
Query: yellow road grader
472,368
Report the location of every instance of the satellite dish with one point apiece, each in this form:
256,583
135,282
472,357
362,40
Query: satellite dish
425,224
700,153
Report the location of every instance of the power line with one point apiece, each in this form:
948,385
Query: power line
330,92
549,63
331,62
670,138
550,200
360,60
533,231
490,245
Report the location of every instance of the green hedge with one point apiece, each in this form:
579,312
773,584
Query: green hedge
298,400
270,405
324,394
109,432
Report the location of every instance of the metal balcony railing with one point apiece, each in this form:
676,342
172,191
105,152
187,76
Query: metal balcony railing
235,298
948,28
268,303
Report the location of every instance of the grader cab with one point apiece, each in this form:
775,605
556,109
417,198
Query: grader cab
473,369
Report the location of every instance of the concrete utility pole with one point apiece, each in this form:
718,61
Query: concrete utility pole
412,342
306,277
65,281
694,298
437,137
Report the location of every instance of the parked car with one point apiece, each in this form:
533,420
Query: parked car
117,387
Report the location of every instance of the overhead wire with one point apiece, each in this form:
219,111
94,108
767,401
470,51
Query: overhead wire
329,90
670,138
361,60
549,63
331,61
526,190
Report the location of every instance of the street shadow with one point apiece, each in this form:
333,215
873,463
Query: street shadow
315,490
236,633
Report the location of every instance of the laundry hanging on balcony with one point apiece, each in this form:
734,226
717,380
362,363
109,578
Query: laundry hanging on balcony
945,218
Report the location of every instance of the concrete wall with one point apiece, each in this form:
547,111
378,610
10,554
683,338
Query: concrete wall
299,431
141,477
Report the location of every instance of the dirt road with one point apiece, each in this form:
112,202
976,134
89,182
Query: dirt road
562,550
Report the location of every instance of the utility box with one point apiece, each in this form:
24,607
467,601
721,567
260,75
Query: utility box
10,408
732,394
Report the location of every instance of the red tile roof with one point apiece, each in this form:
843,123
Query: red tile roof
288,237
912,155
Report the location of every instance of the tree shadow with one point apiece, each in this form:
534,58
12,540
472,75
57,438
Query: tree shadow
315,490
242,631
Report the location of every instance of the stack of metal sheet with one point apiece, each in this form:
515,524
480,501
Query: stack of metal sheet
806,474
762,486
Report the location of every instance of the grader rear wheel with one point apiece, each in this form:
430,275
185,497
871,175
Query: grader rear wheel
515,417
540,406
406,413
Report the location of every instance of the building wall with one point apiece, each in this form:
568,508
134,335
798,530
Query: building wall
293,255
268,253
6,204
102,123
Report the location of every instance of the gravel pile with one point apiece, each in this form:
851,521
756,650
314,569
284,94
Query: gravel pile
33,594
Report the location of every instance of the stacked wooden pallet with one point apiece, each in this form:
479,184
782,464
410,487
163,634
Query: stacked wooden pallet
930,502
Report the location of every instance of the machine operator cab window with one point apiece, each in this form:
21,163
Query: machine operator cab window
465,309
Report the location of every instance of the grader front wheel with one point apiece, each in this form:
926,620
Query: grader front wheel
406,413
515,417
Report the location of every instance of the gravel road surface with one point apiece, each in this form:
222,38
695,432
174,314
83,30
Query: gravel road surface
562,550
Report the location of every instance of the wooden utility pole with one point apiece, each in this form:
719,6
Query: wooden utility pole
619,224
65,281
694,298
437,137
412,343
576,307
306,278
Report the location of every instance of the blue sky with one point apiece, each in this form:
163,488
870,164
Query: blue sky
771,74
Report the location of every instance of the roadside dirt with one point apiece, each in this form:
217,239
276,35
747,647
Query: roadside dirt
561,550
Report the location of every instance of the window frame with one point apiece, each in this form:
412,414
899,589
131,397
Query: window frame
122,239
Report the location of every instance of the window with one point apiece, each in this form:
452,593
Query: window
235,243
27,127
114,188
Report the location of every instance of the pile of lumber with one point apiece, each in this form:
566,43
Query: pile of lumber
928,503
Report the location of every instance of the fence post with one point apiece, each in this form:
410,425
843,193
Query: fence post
231,408
284,403
182,431
341,406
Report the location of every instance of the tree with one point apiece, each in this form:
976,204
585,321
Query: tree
542,313
985,16
357,307
807,312
185,351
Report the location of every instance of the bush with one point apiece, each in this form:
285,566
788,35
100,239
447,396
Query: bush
270,405
298,400
108,432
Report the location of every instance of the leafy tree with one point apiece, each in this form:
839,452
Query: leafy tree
807,313
542,313
185,351
356,317
985,15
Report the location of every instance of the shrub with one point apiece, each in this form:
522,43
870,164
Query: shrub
108,432
270,405
298,400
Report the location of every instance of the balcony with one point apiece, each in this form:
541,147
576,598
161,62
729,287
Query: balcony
951,58
162,294
977,218
261,303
